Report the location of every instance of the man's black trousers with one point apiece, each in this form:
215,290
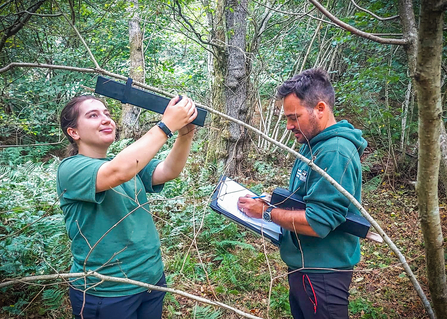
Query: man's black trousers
319,295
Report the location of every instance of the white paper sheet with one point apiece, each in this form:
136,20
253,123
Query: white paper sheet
227,199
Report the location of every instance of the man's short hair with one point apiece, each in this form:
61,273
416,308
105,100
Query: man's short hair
311,86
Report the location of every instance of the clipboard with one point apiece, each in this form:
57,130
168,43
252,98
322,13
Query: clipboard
282,198
224,201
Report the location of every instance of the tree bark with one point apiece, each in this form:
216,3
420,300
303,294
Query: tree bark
130,113
216,145
428,80
236,82
410,33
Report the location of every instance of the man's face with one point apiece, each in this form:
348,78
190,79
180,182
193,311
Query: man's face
303,123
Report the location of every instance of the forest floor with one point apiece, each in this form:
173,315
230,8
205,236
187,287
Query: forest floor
380,288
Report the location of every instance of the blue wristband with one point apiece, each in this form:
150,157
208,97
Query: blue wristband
165,129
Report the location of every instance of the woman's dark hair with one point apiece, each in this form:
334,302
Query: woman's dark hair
69,118
310,86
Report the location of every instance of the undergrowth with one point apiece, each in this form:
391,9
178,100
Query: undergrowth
204,253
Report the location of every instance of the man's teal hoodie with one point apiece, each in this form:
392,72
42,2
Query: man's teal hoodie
337,150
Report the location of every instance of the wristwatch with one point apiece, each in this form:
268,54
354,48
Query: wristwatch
164,128
267,214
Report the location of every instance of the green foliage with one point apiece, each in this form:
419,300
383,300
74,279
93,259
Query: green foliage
20,155
366,309
17,308
375,75
280,298
118,146
206,312
372,184
33,238
53,298
373,173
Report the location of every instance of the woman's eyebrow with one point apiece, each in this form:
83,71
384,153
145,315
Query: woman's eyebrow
91,111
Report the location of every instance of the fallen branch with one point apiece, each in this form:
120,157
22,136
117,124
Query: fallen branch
128,281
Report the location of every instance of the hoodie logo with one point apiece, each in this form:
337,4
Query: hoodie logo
301,175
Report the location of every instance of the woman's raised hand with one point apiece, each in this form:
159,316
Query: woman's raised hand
178,115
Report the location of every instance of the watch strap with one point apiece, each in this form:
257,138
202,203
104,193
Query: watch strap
165,129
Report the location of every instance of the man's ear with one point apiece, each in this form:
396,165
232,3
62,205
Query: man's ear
73,133
320,108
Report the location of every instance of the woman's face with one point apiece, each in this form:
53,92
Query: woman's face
95,128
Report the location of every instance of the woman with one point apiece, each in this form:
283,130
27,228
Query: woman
105,206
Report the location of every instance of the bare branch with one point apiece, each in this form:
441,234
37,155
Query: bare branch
355,30
299,14
325,21
31,145
198,35
80,36
5,4
19,23
41,14
262,27
45,66
128,281
82,70
373,14
192,38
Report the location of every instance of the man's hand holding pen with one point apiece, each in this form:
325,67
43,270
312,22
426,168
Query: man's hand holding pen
253,206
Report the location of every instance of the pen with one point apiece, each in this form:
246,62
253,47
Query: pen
260,196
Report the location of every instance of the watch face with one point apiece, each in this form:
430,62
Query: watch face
266,216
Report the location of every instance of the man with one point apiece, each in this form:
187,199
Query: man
320,258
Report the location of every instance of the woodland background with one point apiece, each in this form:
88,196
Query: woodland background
229,56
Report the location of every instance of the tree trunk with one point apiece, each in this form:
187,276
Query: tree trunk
215,148
428,80
236,82
130,113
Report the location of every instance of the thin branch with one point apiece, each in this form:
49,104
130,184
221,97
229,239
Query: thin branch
80,36
325,21
19,23
128,281
373,14
46,66
31,145
5,4
83,70
263,26
105,234
194,39
198,35
299,14
41,14
355,30
388,34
